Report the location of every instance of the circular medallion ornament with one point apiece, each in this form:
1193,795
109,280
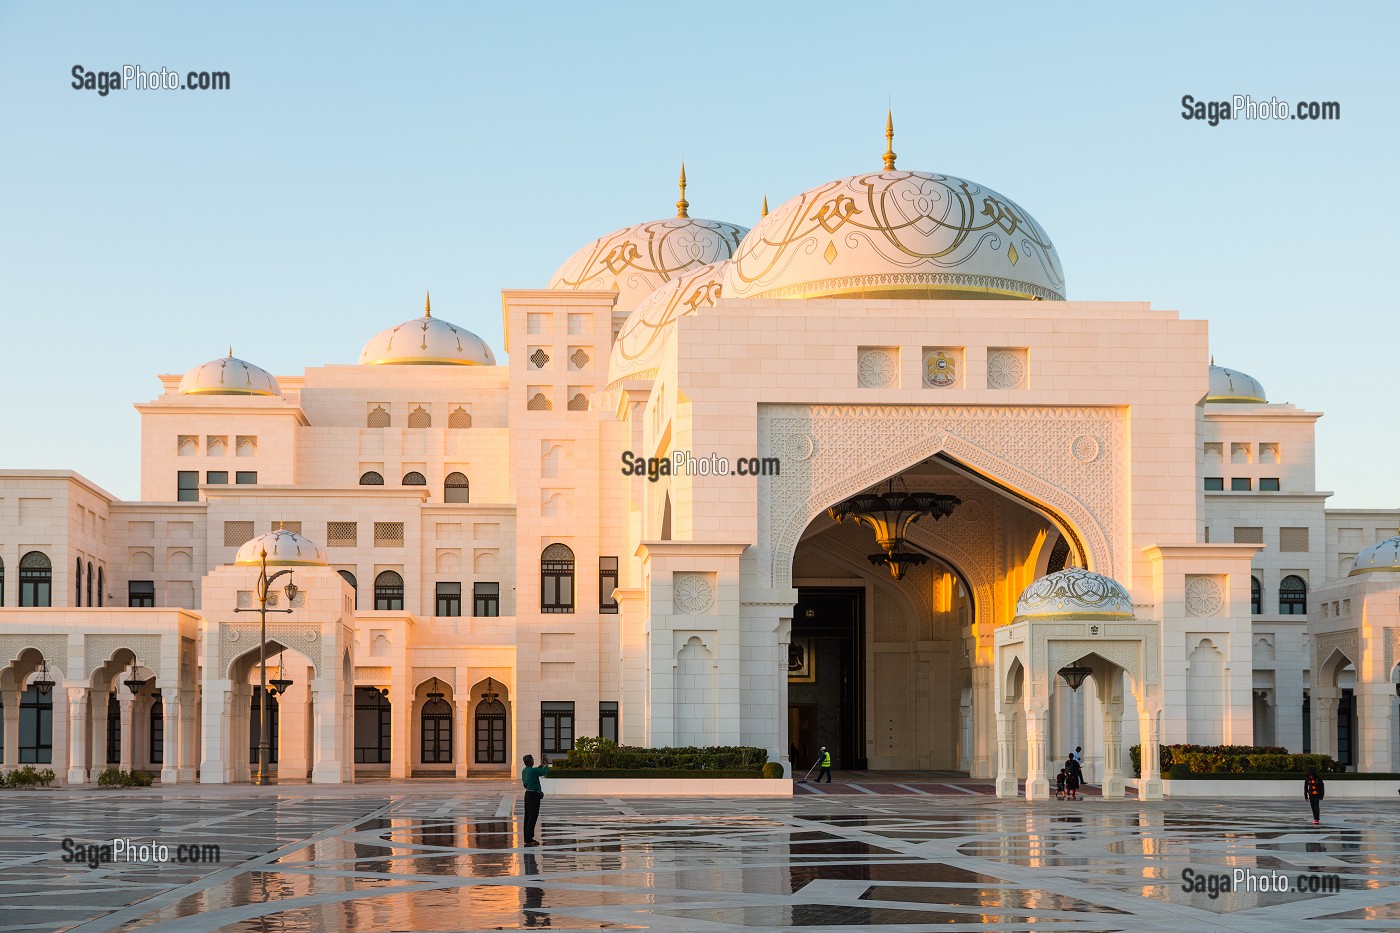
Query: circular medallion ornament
245,599
1005,370
1203,596
1085,449
231,635
876,369
799,446
694,594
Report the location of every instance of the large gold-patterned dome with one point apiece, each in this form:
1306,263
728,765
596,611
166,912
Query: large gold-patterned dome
637,260
637,351
897,234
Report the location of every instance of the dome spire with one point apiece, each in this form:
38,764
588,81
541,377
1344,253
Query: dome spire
765,206
230,351
427,303
889,140
682,206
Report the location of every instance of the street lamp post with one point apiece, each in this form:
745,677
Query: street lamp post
265,583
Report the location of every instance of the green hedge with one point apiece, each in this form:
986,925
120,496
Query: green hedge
593,754
649,773
113,777
1284,776
1233,759
28,776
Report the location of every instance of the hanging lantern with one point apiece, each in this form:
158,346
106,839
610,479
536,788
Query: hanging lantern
889,514
435,693
1074,674
44,682
133,683
280,683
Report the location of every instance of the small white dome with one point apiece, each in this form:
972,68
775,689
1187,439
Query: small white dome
1227,385
284,549
637,260
637,352
229,376
426,341
1075,592
1383,557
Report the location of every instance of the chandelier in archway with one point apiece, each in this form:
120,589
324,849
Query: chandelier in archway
889,514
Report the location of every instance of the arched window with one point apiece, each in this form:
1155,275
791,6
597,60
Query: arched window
456,488
372,479
1256,596
378,418
414,479
35,580
419,418
354,584
157,731
459,418
490,732
78,583
1293,596
437,732
101,585
89,584
557,579
388,591
373,731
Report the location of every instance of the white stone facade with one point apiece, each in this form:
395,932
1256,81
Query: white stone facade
543,595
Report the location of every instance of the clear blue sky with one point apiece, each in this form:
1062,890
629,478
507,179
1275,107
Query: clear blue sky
366,152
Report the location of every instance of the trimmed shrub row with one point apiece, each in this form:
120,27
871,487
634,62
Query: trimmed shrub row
1285,776
650,773
594,754
113,777
1182,760
28,776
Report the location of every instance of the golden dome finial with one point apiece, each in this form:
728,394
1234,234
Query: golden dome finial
230,351
427,303
682,206
765,206
1212,359
889,140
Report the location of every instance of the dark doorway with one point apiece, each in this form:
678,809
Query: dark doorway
1346,728
826,676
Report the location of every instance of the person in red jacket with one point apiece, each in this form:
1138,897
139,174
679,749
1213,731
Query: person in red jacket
1313,792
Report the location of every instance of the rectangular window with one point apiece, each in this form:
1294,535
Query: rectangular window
557,729
236,534
141,593
187,486
1215,483
1293,540
449,599
1240,484
388,534
216,477
1268,484
1249,535
246,478
607,721
607,582
35,727
157,737
486,599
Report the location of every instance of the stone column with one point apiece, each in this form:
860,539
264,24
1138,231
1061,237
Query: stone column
463,737
97,705
128,705
1149,730
77,735
1324,722
293,732
401,717
170,754
189,736
1037,724
1375,702
328,742
12,730
214,769
1112,782
984,727
1006,752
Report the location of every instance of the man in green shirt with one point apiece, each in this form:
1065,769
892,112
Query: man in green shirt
534,794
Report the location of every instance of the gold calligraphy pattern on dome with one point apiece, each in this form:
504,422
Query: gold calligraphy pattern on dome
909,234
636,353
635,261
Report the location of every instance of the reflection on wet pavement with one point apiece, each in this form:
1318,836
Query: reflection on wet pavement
437,861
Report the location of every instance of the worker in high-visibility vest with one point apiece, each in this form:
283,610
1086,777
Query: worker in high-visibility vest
825,761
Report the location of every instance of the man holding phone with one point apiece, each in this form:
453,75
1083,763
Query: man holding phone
534,795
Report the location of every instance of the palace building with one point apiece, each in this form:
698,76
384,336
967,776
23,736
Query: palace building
863,476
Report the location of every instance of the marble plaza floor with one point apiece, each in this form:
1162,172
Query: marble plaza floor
447,856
